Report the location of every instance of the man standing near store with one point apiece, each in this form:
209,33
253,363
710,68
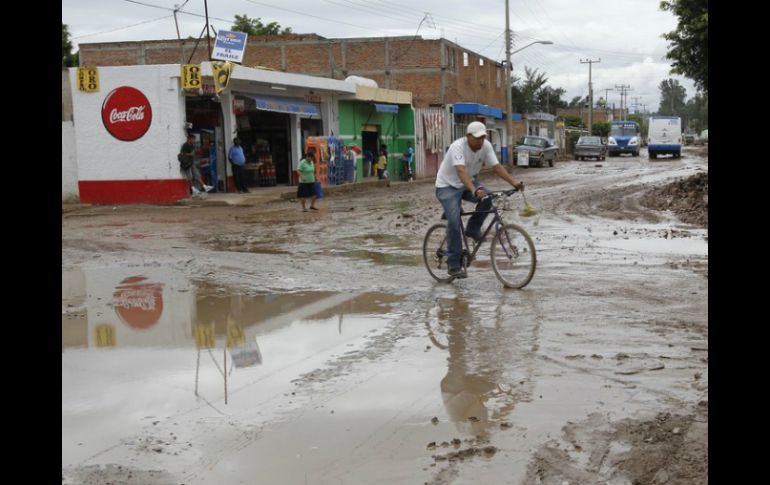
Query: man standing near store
188,167
238,160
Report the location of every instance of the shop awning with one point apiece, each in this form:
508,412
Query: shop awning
284,105
478,109
386,108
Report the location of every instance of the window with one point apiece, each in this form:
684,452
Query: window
451,59
498,77
481,61
465,59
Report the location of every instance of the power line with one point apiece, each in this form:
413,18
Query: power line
121,28
314,16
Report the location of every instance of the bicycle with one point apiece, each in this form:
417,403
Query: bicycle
512,252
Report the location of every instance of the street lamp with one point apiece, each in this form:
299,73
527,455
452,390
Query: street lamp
545,42
508,100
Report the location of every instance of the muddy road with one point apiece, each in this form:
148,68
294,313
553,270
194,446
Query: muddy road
347,363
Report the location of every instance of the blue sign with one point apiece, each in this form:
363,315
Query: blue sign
229,46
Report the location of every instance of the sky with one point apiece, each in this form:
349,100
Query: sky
625,35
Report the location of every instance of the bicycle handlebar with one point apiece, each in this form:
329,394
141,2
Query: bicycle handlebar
500,193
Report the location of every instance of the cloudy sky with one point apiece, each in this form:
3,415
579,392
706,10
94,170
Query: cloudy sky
624,34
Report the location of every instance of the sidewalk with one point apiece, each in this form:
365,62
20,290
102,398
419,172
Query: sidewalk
262,195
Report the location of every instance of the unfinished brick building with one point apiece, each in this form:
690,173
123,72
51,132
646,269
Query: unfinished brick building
436,72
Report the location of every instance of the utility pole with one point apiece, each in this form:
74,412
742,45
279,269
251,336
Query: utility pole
590,94
624,88
636,103
208,35
508,100
607,102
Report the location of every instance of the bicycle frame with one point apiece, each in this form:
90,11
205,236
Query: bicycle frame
497,222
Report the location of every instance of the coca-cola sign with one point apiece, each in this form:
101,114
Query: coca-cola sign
126,113
138,303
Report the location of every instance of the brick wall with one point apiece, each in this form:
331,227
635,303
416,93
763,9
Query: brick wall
431,69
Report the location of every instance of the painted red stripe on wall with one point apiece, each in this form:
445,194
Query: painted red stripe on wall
133,191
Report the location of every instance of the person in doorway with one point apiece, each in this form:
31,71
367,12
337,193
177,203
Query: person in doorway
238,160
457,181
189,168
368,163
213,177
407,159
306,188
382,162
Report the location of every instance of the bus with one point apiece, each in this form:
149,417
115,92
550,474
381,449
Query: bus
665,136
625,137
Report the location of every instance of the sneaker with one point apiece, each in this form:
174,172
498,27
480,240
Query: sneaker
207,187
313,208
195,191
458,272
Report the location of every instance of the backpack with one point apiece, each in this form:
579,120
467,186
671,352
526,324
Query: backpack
184,161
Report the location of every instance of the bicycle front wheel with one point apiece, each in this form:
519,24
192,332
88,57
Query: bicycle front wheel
513,256
434,252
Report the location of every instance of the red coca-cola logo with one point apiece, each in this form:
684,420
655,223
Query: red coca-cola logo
126,113
138,304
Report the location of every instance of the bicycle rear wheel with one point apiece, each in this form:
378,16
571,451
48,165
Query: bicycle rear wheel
434,253
513,256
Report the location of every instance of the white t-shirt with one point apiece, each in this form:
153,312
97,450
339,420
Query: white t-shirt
460,153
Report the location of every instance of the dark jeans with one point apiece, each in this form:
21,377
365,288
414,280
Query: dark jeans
239,176
451,199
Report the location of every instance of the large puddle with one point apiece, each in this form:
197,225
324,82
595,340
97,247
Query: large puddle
143,344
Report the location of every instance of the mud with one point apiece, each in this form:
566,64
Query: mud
261,344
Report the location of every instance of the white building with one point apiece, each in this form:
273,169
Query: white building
128,133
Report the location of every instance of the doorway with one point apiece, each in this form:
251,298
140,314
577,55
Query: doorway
370,140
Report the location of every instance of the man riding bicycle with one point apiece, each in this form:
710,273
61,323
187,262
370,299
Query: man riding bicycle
457,181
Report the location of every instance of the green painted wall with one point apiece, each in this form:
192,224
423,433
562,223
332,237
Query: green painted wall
395,130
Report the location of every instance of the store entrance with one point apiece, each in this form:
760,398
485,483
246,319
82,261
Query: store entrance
267,143
205,116
370,140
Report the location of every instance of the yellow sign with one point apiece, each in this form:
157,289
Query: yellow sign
221,71
204,336
104,335
235,336
88,79
191,76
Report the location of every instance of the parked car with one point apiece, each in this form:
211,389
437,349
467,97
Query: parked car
689,138
590,147
704,136
536,150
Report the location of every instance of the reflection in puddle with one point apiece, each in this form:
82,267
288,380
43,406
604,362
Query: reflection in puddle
144,342
160,308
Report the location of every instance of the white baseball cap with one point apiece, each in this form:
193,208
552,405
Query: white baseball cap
477,129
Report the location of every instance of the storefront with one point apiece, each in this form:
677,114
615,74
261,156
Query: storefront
376,118
465,113
129,129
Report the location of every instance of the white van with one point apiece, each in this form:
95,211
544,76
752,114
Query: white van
664,136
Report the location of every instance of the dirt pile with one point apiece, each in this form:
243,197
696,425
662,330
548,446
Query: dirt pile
688,198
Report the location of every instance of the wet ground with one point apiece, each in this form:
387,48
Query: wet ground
346,363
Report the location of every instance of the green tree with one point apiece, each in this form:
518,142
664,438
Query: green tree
68,59
572,121
695,116
255,26
548,99
576,102
523,94
672,97
689,48
601,128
